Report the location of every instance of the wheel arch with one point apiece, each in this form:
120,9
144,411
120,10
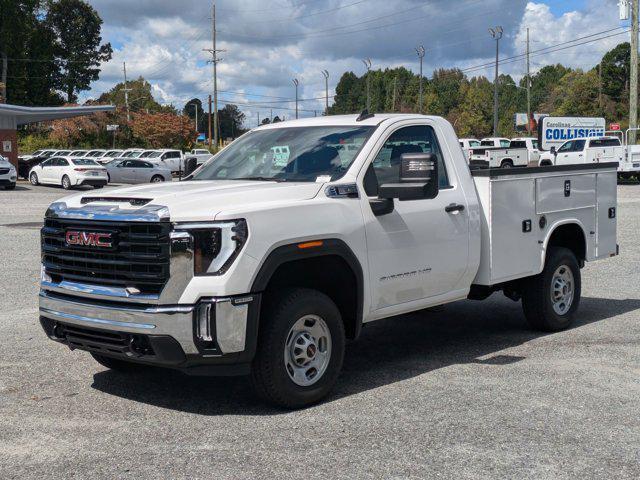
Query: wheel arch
569,234
331,267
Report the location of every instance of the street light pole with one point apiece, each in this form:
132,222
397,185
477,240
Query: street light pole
367,64
325,74
296,83
420,52
496,33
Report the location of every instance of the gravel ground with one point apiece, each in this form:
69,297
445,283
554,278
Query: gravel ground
466,392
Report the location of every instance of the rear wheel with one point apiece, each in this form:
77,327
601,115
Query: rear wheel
33,178
550,299
116,364
66,183
507,164
300,349
157,179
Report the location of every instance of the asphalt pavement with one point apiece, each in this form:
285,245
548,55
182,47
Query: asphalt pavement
465,392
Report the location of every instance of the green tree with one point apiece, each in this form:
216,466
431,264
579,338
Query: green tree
77,45
615,71
140,97
190,108
231,120
26,43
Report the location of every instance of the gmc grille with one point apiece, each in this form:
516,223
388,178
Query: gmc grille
138,259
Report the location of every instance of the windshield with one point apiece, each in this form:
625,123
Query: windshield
83,161
152,155
303,154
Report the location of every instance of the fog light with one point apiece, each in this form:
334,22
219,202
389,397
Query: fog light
205,322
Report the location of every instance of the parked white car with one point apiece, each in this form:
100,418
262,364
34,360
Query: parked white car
8,174
69,172
108,156
131,170
171,159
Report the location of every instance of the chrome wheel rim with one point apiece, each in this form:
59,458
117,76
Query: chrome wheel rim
307,350
66,183
156,179
34,179
562,289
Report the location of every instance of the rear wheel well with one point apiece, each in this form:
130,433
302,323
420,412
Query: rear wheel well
572,237
329,274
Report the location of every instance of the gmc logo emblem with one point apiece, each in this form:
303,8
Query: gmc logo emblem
88,239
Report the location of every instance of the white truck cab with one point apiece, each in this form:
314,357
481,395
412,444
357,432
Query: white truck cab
266,260
167,158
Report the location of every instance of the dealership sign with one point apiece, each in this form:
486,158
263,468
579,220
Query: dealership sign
554,131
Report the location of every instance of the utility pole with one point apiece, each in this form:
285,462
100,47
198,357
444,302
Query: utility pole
325,74
3,79
296,83
496,33
600,86
210,132
420,52
367,64
126,91
528,87
633,83
214,53
271,115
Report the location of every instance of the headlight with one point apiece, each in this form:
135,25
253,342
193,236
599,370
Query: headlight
216,245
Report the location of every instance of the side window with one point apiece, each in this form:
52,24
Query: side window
385,168
145,165
505,143
566,147
578,145
62,162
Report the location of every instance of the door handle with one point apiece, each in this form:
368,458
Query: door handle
453,208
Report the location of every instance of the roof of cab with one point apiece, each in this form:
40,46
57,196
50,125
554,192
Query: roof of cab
343,120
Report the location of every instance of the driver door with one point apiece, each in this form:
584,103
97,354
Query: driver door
419,251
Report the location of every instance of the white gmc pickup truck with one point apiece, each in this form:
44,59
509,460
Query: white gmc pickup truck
265,264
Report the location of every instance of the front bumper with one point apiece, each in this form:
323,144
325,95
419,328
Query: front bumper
214,336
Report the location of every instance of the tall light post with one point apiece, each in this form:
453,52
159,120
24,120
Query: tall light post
367,64
325,74
496,33
420,52
296,83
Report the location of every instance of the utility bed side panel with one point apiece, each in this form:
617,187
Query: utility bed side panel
522,207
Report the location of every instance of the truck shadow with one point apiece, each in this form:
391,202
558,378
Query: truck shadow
387,352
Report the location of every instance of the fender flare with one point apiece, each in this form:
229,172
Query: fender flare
330,247
552,229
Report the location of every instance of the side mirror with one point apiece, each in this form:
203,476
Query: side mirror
418,178
553,151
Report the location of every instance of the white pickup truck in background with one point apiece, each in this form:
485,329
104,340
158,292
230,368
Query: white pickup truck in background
585,150
265,265
467,144
486,144
200,154
521,152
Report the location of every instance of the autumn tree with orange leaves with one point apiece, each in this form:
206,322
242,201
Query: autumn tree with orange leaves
163,130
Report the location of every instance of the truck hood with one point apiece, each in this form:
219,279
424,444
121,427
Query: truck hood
195,200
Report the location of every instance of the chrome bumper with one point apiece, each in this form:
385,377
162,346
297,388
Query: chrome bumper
184,323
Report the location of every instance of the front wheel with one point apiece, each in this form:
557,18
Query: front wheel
10,187
33,178
550,299
300,349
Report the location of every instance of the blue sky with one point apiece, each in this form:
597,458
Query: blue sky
270,42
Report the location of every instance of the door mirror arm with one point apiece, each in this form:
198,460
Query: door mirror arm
381,206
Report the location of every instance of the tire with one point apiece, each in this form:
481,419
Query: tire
116,364
546,163
10,187
157,179
96,187
540,310
66,182
108,178
33,178
507,164
283,335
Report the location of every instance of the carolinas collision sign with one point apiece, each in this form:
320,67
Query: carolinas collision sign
554,131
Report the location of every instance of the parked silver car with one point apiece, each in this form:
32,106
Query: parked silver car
125,170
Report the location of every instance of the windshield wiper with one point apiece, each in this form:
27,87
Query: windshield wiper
261,179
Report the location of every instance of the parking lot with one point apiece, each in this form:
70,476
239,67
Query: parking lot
467,391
